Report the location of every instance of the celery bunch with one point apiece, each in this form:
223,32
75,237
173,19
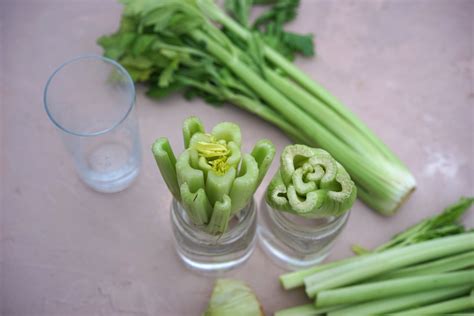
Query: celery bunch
412,274
195,47
310,183
211,178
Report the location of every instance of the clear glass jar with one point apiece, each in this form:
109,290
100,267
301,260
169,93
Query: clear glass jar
295,242
203,252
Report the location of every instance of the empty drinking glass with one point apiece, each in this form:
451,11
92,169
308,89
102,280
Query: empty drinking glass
91,99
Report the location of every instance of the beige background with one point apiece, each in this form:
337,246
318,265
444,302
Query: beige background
405,67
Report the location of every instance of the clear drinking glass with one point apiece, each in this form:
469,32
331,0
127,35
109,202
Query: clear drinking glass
203,252
295,242
91,99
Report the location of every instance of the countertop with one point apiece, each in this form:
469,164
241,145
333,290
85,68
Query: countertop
405,67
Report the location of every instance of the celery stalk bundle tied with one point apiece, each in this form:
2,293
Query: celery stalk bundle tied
212,179
195,47
310,183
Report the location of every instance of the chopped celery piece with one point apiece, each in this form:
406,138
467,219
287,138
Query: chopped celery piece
232,298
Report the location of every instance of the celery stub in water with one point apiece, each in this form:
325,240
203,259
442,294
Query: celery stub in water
310,183
233,298
211,178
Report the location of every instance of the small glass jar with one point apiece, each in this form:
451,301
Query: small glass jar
296,242
203,252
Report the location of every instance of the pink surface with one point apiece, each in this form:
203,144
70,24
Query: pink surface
405,67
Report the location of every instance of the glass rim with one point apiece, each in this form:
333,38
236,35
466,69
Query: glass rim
77,59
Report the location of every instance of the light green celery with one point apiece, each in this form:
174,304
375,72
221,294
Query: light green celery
212,180
310,183
252,105
235,155
230,132
220,216
166,162
376,264
270,116
387,182
295,279
382,289
215,13
232,298
217,186
193,177
400,303
305,310
447,264
322,114
245,184
191,126
263,152
443,308
196,204
384,183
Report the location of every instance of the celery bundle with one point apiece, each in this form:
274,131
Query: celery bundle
195,47
413,278
212,179
310,183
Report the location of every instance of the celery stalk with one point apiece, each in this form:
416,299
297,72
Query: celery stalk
220,216
305,310
447,307
244,184
263,153
166,162
376,264
295,279
219,185
447,264
400,303
382,289
191,126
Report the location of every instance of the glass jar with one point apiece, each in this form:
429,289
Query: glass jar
208,253
296,242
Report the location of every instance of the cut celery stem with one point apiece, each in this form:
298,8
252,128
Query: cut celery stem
390,288
379,263
306,310
399,303
296,279
166,161
447,307
446,264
